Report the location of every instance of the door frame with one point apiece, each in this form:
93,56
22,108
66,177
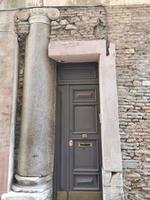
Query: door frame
65,88
97,51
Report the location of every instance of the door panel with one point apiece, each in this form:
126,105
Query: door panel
84,114
84,95
86,182
85,150
79,159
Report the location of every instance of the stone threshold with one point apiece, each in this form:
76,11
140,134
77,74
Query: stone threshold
26,196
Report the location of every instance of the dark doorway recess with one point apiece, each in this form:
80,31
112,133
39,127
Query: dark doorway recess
78,149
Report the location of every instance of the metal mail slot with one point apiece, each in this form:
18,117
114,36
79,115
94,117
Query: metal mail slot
85,144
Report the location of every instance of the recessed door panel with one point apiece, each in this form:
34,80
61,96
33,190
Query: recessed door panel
78,160
83,95
84,118
84,158
86,182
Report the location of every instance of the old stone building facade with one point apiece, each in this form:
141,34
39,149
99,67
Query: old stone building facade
37,35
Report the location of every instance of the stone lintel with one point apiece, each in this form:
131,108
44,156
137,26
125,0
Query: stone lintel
77,51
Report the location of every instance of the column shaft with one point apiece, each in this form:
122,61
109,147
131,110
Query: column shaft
36,152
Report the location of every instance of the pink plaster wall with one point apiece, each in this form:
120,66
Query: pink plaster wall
7,61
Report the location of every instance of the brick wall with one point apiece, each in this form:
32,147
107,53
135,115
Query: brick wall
129,29
80,24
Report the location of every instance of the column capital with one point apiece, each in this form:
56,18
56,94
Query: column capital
43,15
24,18
39,18
37,13
21,23
52,13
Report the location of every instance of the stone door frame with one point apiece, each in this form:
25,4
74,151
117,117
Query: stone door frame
96,51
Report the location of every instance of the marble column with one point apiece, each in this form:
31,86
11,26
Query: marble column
36,152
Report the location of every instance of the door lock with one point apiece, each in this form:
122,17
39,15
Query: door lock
70,143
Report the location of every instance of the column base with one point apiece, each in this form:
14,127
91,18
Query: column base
32,184
26,196
30,188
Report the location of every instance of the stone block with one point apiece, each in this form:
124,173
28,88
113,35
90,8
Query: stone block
63,22
112,179
26,196
113,193
70,27
146,83
130,164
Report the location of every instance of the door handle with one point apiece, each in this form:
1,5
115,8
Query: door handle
70,143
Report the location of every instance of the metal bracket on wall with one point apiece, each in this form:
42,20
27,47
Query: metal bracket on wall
107,48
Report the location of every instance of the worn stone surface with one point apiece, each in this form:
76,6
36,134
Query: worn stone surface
22,15
34,144
80,24
26,196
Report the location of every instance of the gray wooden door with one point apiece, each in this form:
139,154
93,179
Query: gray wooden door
78,161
